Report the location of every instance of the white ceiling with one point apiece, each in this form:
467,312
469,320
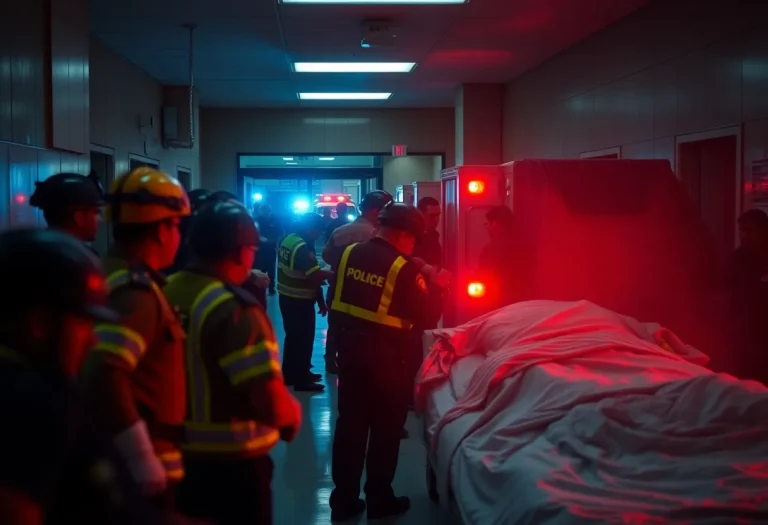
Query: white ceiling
244,48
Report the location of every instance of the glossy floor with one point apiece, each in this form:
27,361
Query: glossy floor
302,481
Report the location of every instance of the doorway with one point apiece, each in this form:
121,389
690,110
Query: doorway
709,171
184,176
103,166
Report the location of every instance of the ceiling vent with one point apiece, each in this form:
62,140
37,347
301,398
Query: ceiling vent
378,33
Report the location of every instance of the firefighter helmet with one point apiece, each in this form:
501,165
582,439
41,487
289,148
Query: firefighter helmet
67,190
145,195
375,200
77,285
403,217
220,228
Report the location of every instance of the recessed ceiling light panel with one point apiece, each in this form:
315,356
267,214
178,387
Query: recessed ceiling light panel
378,2
344,96
353,67
326,158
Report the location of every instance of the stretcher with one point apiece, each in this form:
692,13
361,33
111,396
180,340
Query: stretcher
567,413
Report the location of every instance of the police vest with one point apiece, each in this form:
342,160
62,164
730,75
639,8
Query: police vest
365,287
159,383
290,281
215,424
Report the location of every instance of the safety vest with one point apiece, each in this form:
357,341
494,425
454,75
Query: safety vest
364,288
130,347
292,282
212,426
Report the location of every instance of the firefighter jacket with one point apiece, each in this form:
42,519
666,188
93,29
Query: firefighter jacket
296,261
230,350
54,456
378,288
136,369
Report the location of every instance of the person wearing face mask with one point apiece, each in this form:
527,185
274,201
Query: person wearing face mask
57,467
71,203
134,377
380,300
239,407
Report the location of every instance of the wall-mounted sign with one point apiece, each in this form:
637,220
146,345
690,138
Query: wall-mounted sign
400,150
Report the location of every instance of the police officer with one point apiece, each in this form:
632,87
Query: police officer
134,378
299,280
361,229
238,405
56,467
380,298
72,203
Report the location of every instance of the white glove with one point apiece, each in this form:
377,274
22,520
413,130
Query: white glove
136,449
260,278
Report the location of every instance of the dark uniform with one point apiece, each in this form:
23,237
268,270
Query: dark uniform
197,199
231,353
267,256
134,378
296,263
55,462
381,299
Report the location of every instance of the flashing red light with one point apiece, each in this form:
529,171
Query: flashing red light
476,187
327,199
20,199
340,198
476,290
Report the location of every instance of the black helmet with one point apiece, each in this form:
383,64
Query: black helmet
403,217
310,221
220,228
220,196
376,200
66,190
57,270
197,198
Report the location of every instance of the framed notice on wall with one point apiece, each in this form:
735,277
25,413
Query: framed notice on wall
757,188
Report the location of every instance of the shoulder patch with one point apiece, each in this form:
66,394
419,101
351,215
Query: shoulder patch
421,283
242,295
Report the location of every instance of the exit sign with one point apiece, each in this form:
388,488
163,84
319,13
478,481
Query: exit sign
400,150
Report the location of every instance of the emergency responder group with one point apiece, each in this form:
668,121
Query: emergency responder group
171,390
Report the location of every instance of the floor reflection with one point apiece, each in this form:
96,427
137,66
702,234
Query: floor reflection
302,483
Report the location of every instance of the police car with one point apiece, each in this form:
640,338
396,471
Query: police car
331,200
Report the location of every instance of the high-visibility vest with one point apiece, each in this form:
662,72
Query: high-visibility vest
130,347
290,281
365,287
213,426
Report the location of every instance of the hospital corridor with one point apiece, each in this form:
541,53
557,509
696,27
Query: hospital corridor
302,478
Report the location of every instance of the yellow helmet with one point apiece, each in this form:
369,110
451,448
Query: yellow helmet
145,195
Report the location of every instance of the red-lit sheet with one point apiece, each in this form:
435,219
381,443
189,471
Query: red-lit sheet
575,414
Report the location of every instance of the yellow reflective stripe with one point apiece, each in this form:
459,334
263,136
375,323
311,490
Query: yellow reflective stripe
200,393
312,270
294,250
381,315
290,272
298,293
120,341
244,436
118,278
173,464
251,361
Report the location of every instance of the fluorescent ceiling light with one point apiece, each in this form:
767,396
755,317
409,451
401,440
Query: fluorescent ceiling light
291,163
288,158
380,2
344,96
353,67
326,158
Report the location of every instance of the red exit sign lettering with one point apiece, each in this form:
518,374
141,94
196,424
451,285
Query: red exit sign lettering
400,150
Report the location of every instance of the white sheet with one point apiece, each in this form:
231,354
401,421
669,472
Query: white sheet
578,415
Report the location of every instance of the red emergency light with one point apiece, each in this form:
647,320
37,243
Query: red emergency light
476,289
20,198
327,199
340,198
476,187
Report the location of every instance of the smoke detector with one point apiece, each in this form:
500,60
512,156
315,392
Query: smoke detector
377,33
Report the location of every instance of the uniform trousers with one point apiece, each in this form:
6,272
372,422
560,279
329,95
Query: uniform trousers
228,492
299,324
267,259
330,336
373,406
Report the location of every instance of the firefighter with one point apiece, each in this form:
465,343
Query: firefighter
72,203
299,281
134,377
380,299
361,229
56,468
238,405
